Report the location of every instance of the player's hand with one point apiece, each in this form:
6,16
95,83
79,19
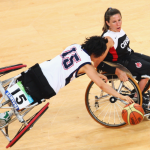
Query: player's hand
121,75
127,99
103,77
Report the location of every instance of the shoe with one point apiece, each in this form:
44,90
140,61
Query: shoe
5,117
145,106
146,98
146,101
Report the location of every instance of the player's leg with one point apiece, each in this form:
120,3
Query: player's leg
146,62
139,67
143,83
147,58
142,56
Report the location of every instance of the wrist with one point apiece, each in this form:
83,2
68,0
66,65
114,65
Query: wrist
120,96
117,71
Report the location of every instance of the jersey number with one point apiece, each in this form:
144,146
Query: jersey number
21,97
69,58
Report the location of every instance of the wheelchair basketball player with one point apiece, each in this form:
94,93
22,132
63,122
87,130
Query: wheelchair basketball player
43,81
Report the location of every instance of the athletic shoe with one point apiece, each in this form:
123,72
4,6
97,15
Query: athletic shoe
145,98
5,117
146,101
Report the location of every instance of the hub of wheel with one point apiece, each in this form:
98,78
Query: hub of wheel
113,99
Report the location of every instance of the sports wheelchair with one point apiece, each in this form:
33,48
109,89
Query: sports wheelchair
8,104
107,109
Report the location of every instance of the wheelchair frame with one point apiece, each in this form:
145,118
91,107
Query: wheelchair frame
18,115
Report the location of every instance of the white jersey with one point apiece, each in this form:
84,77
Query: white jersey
64,68
116,36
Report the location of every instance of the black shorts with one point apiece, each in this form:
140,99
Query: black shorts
36,84
139,65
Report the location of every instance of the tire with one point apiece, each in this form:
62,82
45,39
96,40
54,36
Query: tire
24,129
104,108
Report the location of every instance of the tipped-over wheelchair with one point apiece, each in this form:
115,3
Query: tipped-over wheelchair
106,109
13,98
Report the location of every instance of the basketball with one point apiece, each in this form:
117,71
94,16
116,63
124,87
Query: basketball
133,114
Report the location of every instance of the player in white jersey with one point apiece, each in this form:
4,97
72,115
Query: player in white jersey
120,52
66,65
42,81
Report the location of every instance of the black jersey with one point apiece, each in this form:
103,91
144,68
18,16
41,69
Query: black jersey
121,45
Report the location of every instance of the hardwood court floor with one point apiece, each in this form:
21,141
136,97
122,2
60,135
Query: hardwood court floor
32,31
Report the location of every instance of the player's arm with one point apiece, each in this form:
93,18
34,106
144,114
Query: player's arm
96,78
121,74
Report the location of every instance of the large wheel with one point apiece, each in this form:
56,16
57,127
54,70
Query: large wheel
106,109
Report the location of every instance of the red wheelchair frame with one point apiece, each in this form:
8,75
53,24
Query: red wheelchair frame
26,124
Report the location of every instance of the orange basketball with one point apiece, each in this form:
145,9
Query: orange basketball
133,114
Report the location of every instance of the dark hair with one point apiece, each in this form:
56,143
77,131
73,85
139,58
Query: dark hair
95,45
109,12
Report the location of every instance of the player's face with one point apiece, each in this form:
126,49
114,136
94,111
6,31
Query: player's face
115,23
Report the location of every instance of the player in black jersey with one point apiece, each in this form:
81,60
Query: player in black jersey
120,52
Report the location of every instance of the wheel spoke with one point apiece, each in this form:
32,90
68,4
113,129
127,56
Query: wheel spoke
99,107
117,113
110,113
103,110
121,107
114,114
106,112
